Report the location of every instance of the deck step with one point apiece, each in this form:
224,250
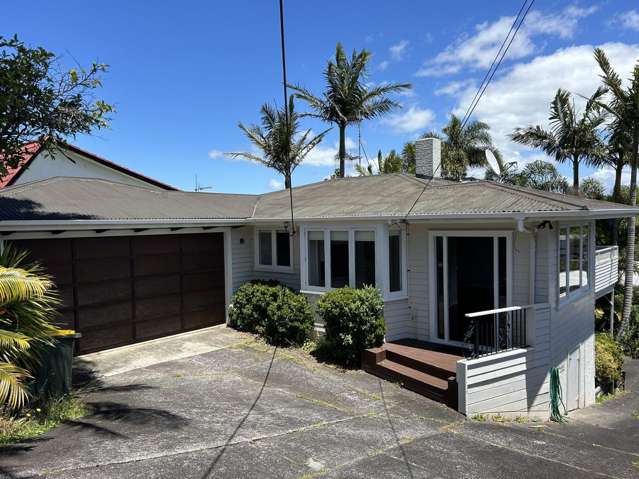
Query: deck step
422,383
436,364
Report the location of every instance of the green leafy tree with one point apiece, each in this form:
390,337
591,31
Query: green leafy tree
409,158
39,101
593,189
283,147
28,303
347,99
572,138
624,108
542,175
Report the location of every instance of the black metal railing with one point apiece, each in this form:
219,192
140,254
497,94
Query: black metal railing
490,332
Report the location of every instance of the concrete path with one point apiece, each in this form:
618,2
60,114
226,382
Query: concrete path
245,410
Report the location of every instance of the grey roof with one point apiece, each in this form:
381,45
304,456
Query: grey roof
382,196
63,198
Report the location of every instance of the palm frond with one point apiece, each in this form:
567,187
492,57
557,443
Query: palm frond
17,284
13,391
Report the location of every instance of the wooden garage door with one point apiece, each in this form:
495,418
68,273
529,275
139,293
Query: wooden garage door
121,290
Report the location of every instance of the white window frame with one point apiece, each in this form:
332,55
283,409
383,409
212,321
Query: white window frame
581,291
272,267
381,257
495,234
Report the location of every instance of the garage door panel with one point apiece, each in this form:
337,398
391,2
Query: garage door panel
104,315
106,292
105,338
202,281
96,248
156,307
160,264
106,269
158,327
156,245
119,290
157,286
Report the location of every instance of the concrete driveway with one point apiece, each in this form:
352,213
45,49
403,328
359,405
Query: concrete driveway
217,404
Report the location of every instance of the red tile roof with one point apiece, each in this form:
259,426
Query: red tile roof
31,150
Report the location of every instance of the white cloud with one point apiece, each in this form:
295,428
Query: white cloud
455,87
274,184
478,50
629,20
327,155
216,154
411,120
397,51
522,96
383,65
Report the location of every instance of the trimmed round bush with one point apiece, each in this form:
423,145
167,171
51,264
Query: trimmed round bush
290,319
281,316
354,321
608,360
248,310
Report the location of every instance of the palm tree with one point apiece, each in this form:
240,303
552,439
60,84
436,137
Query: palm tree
570,138
28,304
624,107
282,146
393,163
347,99
409,158
506,172
463,146
593,189
541,175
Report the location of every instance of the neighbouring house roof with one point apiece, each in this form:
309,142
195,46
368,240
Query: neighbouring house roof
32,150
395,196
93,199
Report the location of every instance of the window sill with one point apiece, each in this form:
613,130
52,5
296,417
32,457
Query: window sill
274,269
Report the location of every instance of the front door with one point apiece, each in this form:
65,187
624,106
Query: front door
471,273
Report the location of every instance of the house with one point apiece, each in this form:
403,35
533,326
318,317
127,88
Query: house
38,163
486,286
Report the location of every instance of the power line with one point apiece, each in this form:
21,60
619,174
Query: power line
495,59
484,85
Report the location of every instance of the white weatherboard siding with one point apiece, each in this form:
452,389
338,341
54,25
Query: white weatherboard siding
510,383
399,324
45,166
244,261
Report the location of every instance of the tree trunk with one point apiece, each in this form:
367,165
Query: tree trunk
287,181
342,150
630,247
575,176
616,196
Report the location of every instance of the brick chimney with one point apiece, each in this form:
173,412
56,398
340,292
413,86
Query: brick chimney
428,152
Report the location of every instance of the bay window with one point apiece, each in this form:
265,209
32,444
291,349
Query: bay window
574,255
273,250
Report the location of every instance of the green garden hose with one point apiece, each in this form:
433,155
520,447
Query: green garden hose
556,397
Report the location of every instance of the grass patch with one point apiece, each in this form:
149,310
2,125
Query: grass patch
34,422
609,396
479,418
635,414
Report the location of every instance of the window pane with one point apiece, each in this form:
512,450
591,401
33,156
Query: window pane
364,258
395,260
563,261
266,253
439,246
339,259
316,272
575,253
283,248
585,250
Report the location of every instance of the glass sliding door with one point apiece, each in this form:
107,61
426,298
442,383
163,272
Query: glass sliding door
470,275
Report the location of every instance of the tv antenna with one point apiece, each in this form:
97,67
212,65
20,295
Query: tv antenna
199,187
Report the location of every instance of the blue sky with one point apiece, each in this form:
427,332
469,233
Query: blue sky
183,74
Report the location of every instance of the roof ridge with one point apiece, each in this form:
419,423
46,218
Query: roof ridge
532,192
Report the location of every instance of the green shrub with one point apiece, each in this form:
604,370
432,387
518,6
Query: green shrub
248,309
272,310
290,319
354,321
608,360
